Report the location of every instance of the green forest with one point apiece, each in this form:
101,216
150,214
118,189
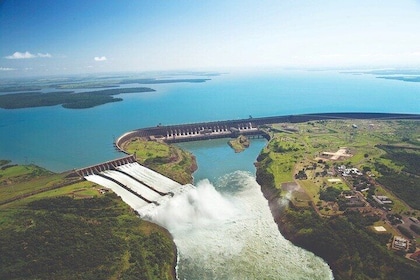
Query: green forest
351,251
93,238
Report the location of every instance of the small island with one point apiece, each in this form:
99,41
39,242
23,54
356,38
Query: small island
239,144
67,99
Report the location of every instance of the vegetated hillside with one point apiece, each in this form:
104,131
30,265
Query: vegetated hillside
93,238
352,251
55,226
345,239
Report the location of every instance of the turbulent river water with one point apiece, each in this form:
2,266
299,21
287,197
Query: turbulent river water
224,229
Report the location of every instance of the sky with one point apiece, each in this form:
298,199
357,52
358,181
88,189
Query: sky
79,36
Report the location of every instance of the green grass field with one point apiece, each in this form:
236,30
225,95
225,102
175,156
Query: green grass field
290,152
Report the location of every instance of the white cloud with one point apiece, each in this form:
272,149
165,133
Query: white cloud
26,55
100,58
19,55
6,69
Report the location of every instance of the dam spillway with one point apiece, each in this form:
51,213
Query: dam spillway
138,186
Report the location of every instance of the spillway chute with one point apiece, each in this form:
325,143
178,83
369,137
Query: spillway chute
141,188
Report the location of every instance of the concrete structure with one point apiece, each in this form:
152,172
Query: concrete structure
400,243
112,164
137,185
232,128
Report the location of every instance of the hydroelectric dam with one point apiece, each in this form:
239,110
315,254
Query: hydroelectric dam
144,189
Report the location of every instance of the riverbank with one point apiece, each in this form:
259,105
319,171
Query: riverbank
344,239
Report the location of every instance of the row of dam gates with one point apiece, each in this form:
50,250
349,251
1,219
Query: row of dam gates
143,188
140,187
232,128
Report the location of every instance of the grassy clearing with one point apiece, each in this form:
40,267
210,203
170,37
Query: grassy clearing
398,206
300,199
23,181
311,189
389,229
147,149
13,173
79,190
168,160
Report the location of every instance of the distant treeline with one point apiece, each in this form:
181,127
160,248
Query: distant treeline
19,88
162,81
68,99
401,78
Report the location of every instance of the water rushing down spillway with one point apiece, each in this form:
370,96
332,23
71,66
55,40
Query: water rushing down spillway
128,197
138,185
133,185
222,231
228,232
150,177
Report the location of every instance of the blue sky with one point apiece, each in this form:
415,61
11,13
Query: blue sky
64,37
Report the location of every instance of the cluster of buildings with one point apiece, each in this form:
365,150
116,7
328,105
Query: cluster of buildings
349,171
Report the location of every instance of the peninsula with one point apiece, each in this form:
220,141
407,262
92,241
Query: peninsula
68,99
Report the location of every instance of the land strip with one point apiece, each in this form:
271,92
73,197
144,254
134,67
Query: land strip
337,200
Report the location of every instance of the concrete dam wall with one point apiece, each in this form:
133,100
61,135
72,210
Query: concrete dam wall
232,128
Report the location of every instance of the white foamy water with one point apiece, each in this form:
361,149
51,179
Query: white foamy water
229,233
